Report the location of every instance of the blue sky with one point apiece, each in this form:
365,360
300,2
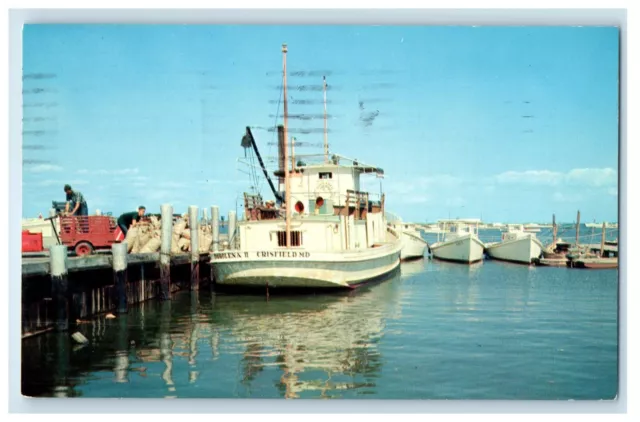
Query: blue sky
504,123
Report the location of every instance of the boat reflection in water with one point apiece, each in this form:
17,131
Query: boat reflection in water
215,345
320,346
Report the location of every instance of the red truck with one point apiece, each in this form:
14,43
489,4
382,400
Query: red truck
84,234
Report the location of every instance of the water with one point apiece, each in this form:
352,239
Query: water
436,331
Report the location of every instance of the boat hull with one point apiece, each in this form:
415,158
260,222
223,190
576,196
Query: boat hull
467,249
551,262
299,269
413,247
596,263
524,250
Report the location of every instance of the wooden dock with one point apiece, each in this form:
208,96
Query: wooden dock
40,266
60,289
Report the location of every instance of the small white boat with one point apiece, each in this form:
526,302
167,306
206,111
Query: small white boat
413,245
517,245
595,225
529,228
460,242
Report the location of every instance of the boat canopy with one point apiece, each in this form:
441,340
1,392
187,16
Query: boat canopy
316,161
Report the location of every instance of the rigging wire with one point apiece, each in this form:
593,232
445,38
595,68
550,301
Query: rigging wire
275,125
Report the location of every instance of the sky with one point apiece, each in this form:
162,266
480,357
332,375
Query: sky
507,124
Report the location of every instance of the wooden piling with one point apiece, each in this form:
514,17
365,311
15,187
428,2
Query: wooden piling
215,228
59,286
195,248
166,211
604,225
119,256
232,228
578,230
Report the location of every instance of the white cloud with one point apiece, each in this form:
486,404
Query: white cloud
49,182
117,171
109,172
542,177
594,177
419,184
563,197
612,191
42,168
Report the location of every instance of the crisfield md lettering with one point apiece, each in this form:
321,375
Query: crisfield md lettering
262,254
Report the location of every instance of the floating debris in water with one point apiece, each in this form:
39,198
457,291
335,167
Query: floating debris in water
79,338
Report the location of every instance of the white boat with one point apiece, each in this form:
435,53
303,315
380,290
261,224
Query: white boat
516,246
595,225
460,242
336,238
413,245
530,228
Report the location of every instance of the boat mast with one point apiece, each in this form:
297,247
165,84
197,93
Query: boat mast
326,143
287,190
578,230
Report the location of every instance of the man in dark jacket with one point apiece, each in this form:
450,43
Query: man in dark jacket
129,219
77,199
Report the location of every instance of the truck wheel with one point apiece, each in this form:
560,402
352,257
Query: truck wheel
84,248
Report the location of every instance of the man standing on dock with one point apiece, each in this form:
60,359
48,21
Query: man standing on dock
129,219
79,203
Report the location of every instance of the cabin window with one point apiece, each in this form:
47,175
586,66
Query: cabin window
296,238
325,175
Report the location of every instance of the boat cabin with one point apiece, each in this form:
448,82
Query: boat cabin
328,210
453,229
515,232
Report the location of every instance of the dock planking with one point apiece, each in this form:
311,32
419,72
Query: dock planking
40,266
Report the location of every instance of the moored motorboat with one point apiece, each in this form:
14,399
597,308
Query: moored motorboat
516,246
413,245
460,242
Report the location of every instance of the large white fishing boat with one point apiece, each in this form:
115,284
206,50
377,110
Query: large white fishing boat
517,245
459,241
324,233
413,245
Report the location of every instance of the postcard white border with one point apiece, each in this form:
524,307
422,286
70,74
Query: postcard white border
513,16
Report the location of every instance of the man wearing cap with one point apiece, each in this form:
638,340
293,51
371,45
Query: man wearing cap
79,203
129,219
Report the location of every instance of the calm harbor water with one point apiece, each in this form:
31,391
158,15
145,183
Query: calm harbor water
434,330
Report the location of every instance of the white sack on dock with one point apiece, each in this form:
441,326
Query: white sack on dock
204,242
153,245
175,249
155,222
186,233
179,226
184,244
142,238
131,238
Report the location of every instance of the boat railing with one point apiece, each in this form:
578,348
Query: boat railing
304,160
